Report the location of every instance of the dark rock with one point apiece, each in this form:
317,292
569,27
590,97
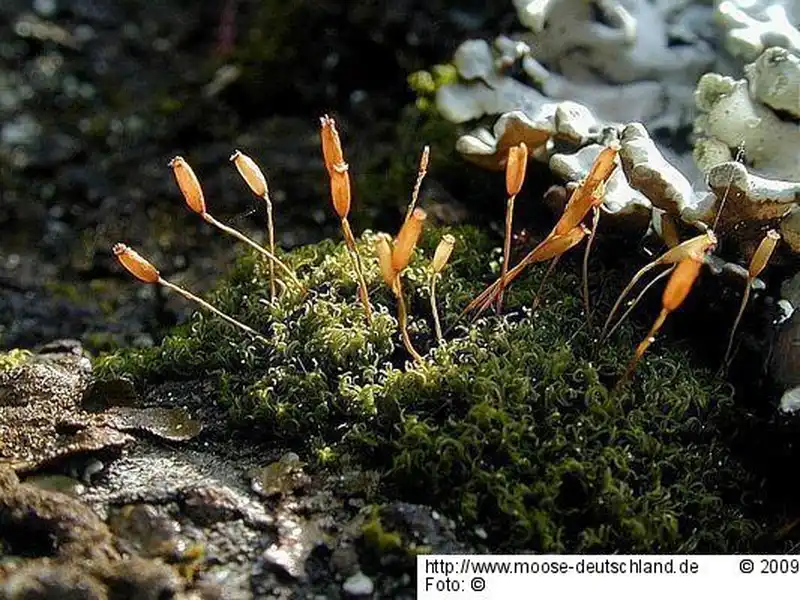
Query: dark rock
43,580
43,416
138,579
39,522
211,504
145,530
101,394
786,353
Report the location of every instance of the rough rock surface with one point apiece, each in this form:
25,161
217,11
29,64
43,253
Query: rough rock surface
43,419
180,517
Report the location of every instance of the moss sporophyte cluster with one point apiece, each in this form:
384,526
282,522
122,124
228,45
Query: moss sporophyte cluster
507,422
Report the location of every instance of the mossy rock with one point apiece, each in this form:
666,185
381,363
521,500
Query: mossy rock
510,426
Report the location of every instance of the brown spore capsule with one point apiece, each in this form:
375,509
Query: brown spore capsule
331,144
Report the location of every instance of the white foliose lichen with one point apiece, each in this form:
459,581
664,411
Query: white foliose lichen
751,26
640,69
759,114
631,60
731,116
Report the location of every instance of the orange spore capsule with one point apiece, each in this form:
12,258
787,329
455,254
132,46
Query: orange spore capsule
136,265
188,184
384,251
680,283
515,168
331,144
407,240
340,191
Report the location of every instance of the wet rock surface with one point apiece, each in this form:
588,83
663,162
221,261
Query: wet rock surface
65,527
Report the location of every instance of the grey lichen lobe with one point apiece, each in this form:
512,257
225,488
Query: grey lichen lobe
626,61
753,202
765,198
758,114
485,88
742,112
753,25
651,174
775,80
619,40
568,122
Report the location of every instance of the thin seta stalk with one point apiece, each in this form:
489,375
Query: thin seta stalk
678,287
338,172
440,258
516,165
696,246
144,271
585,267
393,260
193,195
255,180
757,264
255,246
402,319
669,233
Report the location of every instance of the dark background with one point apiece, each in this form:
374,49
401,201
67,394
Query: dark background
97,95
